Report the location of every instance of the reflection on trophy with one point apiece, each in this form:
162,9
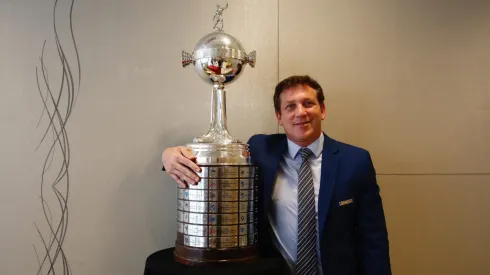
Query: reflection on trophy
217,218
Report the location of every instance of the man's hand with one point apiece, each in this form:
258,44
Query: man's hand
179,162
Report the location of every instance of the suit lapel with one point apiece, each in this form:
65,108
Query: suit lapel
330,164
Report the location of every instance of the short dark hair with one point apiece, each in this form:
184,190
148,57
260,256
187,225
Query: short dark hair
294,81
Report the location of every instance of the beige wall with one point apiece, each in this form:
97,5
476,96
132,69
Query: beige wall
409,81
406,80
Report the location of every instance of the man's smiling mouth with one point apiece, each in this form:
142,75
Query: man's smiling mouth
302,123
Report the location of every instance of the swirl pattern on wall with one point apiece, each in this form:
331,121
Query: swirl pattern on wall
58,101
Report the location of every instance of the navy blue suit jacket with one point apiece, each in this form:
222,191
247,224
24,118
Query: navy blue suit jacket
353,235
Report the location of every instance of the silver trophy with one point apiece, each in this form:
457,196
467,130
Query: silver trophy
217,218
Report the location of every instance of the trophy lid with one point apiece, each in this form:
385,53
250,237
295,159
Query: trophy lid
218,40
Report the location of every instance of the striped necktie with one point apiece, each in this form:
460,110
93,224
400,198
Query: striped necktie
306,257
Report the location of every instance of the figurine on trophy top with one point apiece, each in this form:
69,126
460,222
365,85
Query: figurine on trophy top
218,59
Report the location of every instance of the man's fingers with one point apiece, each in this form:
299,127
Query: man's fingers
179,163
186,152
186,174
190,156
189,163
179,181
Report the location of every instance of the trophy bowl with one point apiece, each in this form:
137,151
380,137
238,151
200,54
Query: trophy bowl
218,58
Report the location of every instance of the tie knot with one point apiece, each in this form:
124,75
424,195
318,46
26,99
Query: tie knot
305,153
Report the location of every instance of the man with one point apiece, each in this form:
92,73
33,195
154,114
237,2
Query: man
319,199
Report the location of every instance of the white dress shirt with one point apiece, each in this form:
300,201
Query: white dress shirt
283,214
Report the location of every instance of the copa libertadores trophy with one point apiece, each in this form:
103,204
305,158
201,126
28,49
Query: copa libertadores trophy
217,218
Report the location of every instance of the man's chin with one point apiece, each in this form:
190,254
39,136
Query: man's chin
304,135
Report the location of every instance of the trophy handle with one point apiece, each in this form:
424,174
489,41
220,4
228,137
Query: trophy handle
186,59
251,57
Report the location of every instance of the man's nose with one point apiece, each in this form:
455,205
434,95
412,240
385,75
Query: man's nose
300,110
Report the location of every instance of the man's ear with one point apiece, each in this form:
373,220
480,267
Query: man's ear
324,111
278,116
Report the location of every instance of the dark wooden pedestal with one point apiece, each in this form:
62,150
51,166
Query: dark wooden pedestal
163,263
202,256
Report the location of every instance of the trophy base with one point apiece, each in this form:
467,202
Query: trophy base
203,256
217,217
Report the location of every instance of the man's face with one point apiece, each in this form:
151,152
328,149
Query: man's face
301,114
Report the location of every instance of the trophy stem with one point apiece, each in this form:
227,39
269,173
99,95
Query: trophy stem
218,109
218,131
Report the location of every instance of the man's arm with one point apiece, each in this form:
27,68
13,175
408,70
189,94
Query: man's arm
372,224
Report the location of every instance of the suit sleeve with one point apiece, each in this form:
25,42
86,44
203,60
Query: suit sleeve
251,146
372,224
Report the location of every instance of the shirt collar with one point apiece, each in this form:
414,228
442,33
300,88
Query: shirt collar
316,147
